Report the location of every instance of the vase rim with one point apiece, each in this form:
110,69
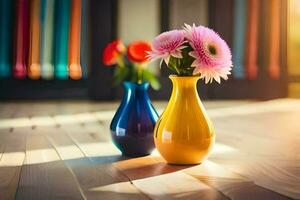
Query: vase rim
183,77
134,83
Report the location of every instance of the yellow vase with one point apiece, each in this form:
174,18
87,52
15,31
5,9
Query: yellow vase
184,134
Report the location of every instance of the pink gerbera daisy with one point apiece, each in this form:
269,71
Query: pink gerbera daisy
212,54
167,44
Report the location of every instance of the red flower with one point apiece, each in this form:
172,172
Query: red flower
137,51
112,51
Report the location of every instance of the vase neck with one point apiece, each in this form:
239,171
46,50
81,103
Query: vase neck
135,90
186,83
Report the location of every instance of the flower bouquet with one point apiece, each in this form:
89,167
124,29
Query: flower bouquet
131,63
133,124
193,51
184,134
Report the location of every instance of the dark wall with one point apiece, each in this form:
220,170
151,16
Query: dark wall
103,16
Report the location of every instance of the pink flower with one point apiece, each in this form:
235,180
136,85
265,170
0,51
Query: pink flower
167,44
212,54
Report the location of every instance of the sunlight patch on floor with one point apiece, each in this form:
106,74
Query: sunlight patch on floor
220,148
12,159
123,187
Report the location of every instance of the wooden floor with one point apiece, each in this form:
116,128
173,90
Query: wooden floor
62,150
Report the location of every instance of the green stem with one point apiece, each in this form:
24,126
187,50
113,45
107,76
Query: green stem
173,65
139,73
120,61
177,70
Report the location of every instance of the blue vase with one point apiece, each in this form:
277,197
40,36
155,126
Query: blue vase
133,124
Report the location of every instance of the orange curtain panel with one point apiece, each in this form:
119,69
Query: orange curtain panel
251,39
21,39
74,42
34,71
274,57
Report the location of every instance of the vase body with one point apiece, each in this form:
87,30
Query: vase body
184,134
133,124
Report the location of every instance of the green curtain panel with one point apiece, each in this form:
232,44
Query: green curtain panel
47,38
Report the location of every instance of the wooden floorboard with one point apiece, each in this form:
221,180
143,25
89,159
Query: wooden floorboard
44,175
150,172
98,177
232,185
11,162
63,150
264,147
177,185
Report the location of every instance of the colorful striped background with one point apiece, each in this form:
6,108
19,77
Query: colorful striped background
48,39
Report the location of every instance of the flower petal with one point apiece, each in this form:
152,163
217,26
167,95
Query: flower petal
197,71
176,54
212,64
193,54
196,63
166,59
217,78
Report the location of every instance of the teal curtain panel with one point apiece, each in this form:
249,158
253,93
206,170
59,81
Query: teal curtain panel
5,37
240,19
62,20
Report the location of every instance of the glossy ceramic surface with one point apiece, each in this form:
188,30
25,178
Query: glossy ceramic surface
184,134
133,124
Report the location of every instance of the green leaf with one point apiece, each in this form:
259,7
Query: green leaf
182,66
120,75
174,63
151,78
